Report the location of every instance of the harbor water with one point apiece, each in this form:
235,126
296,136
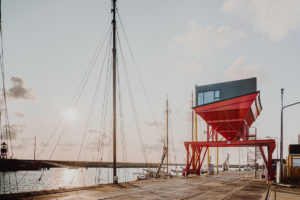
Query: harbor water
59,178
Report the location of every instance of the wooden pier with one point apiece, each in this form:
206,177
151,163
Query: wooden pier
226,185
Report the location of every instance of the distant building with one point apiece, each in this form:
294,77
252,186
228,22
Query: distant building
299,138
206,94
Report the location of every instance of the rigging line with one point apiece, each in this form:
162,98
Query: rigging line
73,107
105,103
139,75
124,145
98,84
4,95
124,152
94,58
7,125
83,81
108,120
79,90
105,106
102,138
61,134
121,115
93,102
51,136
132,103
80,87
102,128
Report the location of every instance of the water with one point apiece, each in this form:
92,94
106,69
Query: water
57,178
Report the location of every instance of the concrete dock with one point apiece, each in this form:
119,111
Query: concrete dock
227,185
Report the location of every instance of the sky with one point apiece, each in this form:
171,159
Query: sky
176,45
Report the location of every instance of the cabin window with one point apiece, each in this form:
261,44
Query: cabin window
217,95
208,97
200,98
296,162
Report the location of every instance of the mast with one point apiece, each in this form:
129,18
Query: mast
114,51
167,111
34,148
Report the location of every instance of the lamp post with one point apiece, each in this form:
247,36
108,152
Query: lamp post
255,169
276,138
281,131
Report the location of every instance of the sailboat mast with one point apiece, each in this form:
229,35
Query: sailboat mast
34,150
114,51
167,122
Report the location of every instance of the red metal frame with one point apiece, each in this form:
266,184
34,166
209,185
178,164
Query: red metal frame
193,162
232,119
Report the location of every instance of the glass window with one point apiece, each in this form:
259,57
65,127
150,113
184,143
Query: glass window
200,98
208,97
296,162
217,94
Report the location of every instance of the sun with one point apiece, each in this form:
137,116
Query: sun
70,115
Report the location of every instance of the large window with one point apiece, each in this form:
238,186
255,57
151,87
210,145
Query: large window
208,97
296,162
200,98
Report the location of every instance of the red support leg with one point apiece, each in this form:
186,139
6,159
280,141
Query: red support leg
268,162
203,158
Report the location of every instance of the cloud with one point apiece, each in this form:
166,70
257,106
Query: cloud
13,130
20,115
18,91
203,40
240,70
200,41
274,18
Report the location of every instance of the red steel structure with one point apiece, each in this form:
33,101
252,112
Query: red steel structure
231,119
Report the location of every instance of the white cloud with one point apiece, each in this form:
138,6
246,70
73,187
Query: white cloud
274,18
200,41
240,70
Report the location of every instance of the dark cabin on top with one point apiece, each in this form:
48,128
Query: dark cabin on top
206,94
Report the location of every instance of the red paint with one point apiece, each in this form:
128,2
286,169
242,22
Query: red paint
232,119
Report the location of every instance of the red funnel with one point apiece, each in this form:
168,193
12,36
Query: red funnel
233,117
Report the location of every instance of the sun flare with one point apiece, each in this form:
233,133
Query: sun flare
70,115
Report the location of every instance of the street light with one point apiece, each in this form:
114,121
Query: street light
255,167
281,131
276,138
